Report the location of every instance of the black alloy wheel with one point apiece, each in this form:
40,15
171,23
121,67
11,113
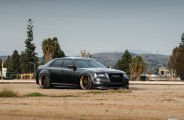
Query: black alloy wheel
44,81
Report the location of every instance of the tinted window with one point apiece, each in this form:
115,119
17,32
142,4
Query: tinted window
56,63
88,63
67,62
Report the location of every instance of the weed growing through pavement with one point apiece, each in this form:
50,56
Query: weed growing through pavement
35,95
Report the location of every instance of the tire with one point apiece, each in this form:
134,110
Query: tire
44,81
85,82
127,86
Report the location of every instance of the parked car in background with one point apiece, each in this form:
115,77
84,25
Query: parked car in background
85,73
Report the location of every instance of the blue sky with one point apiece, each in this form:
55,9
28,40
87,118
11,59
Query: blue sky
93,25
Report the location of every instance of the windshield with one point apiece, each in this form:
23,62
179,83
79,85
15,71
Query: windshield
88,63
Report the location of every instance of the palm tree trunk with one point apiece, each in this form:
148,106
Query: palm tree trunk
48,57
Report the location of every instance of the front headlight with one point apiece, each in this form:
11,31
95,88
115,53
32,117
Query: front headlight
126,76
100,75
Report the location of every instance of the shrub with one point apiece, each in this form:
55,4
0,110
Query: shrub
35,95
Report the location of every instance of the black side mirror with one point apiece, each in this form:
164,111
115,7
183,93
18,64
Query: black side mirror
72,67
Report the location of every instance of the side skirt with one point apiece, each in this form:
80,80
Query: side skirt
64,85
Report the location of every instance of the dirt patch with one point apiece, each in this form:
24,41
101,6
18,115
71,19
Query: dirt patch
140,102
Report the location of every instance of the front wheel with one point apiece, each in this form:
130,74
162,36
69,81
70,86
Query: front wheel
127,86
44,81
85,82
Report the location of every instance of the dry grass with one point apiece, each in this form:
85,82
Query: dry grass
7,92
109,91
36,94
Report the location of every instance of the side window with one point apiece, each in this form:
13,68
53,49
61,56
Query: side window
67,62
56,63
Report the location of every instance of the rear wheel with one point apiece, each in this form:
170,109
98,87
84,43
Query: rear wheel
85,82
44,81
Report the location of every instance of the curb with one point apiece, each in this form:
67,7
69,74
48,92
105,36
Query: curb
156,82
130,82
16,81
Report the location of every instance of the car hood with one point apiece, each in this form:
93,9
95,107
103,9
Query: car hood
106,70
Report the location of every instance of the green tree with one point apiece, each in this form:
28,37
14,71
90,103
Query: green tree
0,64
7,64
57,52
137,67
182,41
23,60
28,57
15,61
51,49
176,61
124,62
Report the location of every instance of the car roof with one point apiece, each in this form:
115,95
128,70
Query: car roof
73,58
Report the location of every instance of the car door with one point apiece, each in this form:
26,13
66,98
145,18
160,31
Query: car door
55,70
68,75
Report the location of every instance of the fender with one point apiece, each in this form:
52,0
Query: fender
89,73
47,73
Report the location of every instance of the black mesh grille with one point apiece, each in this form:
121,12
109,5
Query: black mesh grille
116,77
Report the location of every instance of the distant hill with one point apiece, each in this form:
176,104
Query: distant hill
111,58
107,58
155,60
3,57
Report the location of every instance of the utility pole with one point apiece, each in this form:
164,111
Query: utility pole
2,70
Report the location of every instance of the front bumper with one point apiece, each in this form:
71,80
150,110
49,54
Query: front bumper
105,83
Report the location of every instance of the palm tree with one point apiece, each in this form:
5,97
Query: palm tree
48,48
137,67
51,49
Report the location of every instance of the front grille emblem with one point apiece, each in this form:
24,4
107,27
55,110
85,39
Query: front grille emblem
116,76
